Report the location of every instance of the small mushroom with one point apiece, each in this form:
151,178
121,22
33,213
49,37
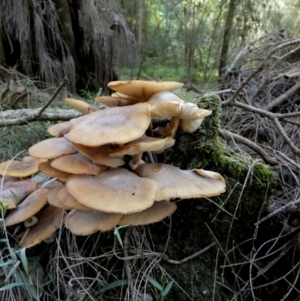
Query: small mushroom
88,222
64,196
137,147
51,148
111,126
49,221
100,155
176,183
157,212
12,193
81,106
55,201
77,164
143,144
114,191
142,90
115,101
28,208
186,115
47,169
27,167
59,129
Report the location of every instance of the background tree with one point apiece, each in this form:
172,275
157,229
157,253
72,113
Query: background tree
83,40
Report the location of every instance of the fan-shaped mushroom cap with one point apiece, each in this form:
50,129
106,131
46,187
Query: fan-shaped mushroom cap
192,118
143,144
77,164
81,106
165,109
190,111
111,126
55,201
143,90
51,148
87,222
164,97
176,183
12,193
115,101
59,129
27,167
157,212
47,169
116,191
49,221
100,155
29,207
64,196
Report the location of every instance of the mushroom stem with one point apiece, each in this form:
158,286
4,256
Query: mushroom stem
136,161
172,127
29,222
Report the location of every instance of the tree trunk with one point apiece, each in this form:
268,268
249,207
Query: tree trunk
227,35
85,41
138,27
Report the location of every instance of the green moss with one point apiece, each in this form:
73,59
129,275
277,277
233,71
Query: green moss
203,149
198,222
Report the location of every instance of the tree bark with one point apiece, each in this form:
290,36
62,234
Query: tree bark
139,25
227,35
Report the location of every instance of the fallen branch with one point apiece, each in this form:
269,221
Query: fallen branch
228,135
272,116
25,116
281,209
277,101
259,68
63,83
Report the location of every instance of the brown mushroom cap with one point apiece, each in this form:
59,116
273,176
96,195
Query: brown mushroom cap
64,196
13,193
115,191
53,199
29,207
80,105
195,183
143,90
27,167
143,144
111,126
59,129
49,221
51,148
88,222
100,155
165,109
164,97
115,101
47,169
157,212
77,164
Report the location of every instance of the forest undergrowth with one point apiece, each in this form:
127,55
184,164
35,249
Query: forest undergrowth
260,120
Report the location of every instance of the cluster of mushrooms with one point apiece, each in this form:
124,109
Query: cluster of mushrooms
100,166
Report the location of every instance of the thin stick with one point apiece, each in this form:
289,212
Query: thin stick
228,135
259,68
186,259
62,84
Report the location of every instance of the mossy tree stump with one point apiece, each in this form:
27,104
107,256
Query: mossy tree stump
199,222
